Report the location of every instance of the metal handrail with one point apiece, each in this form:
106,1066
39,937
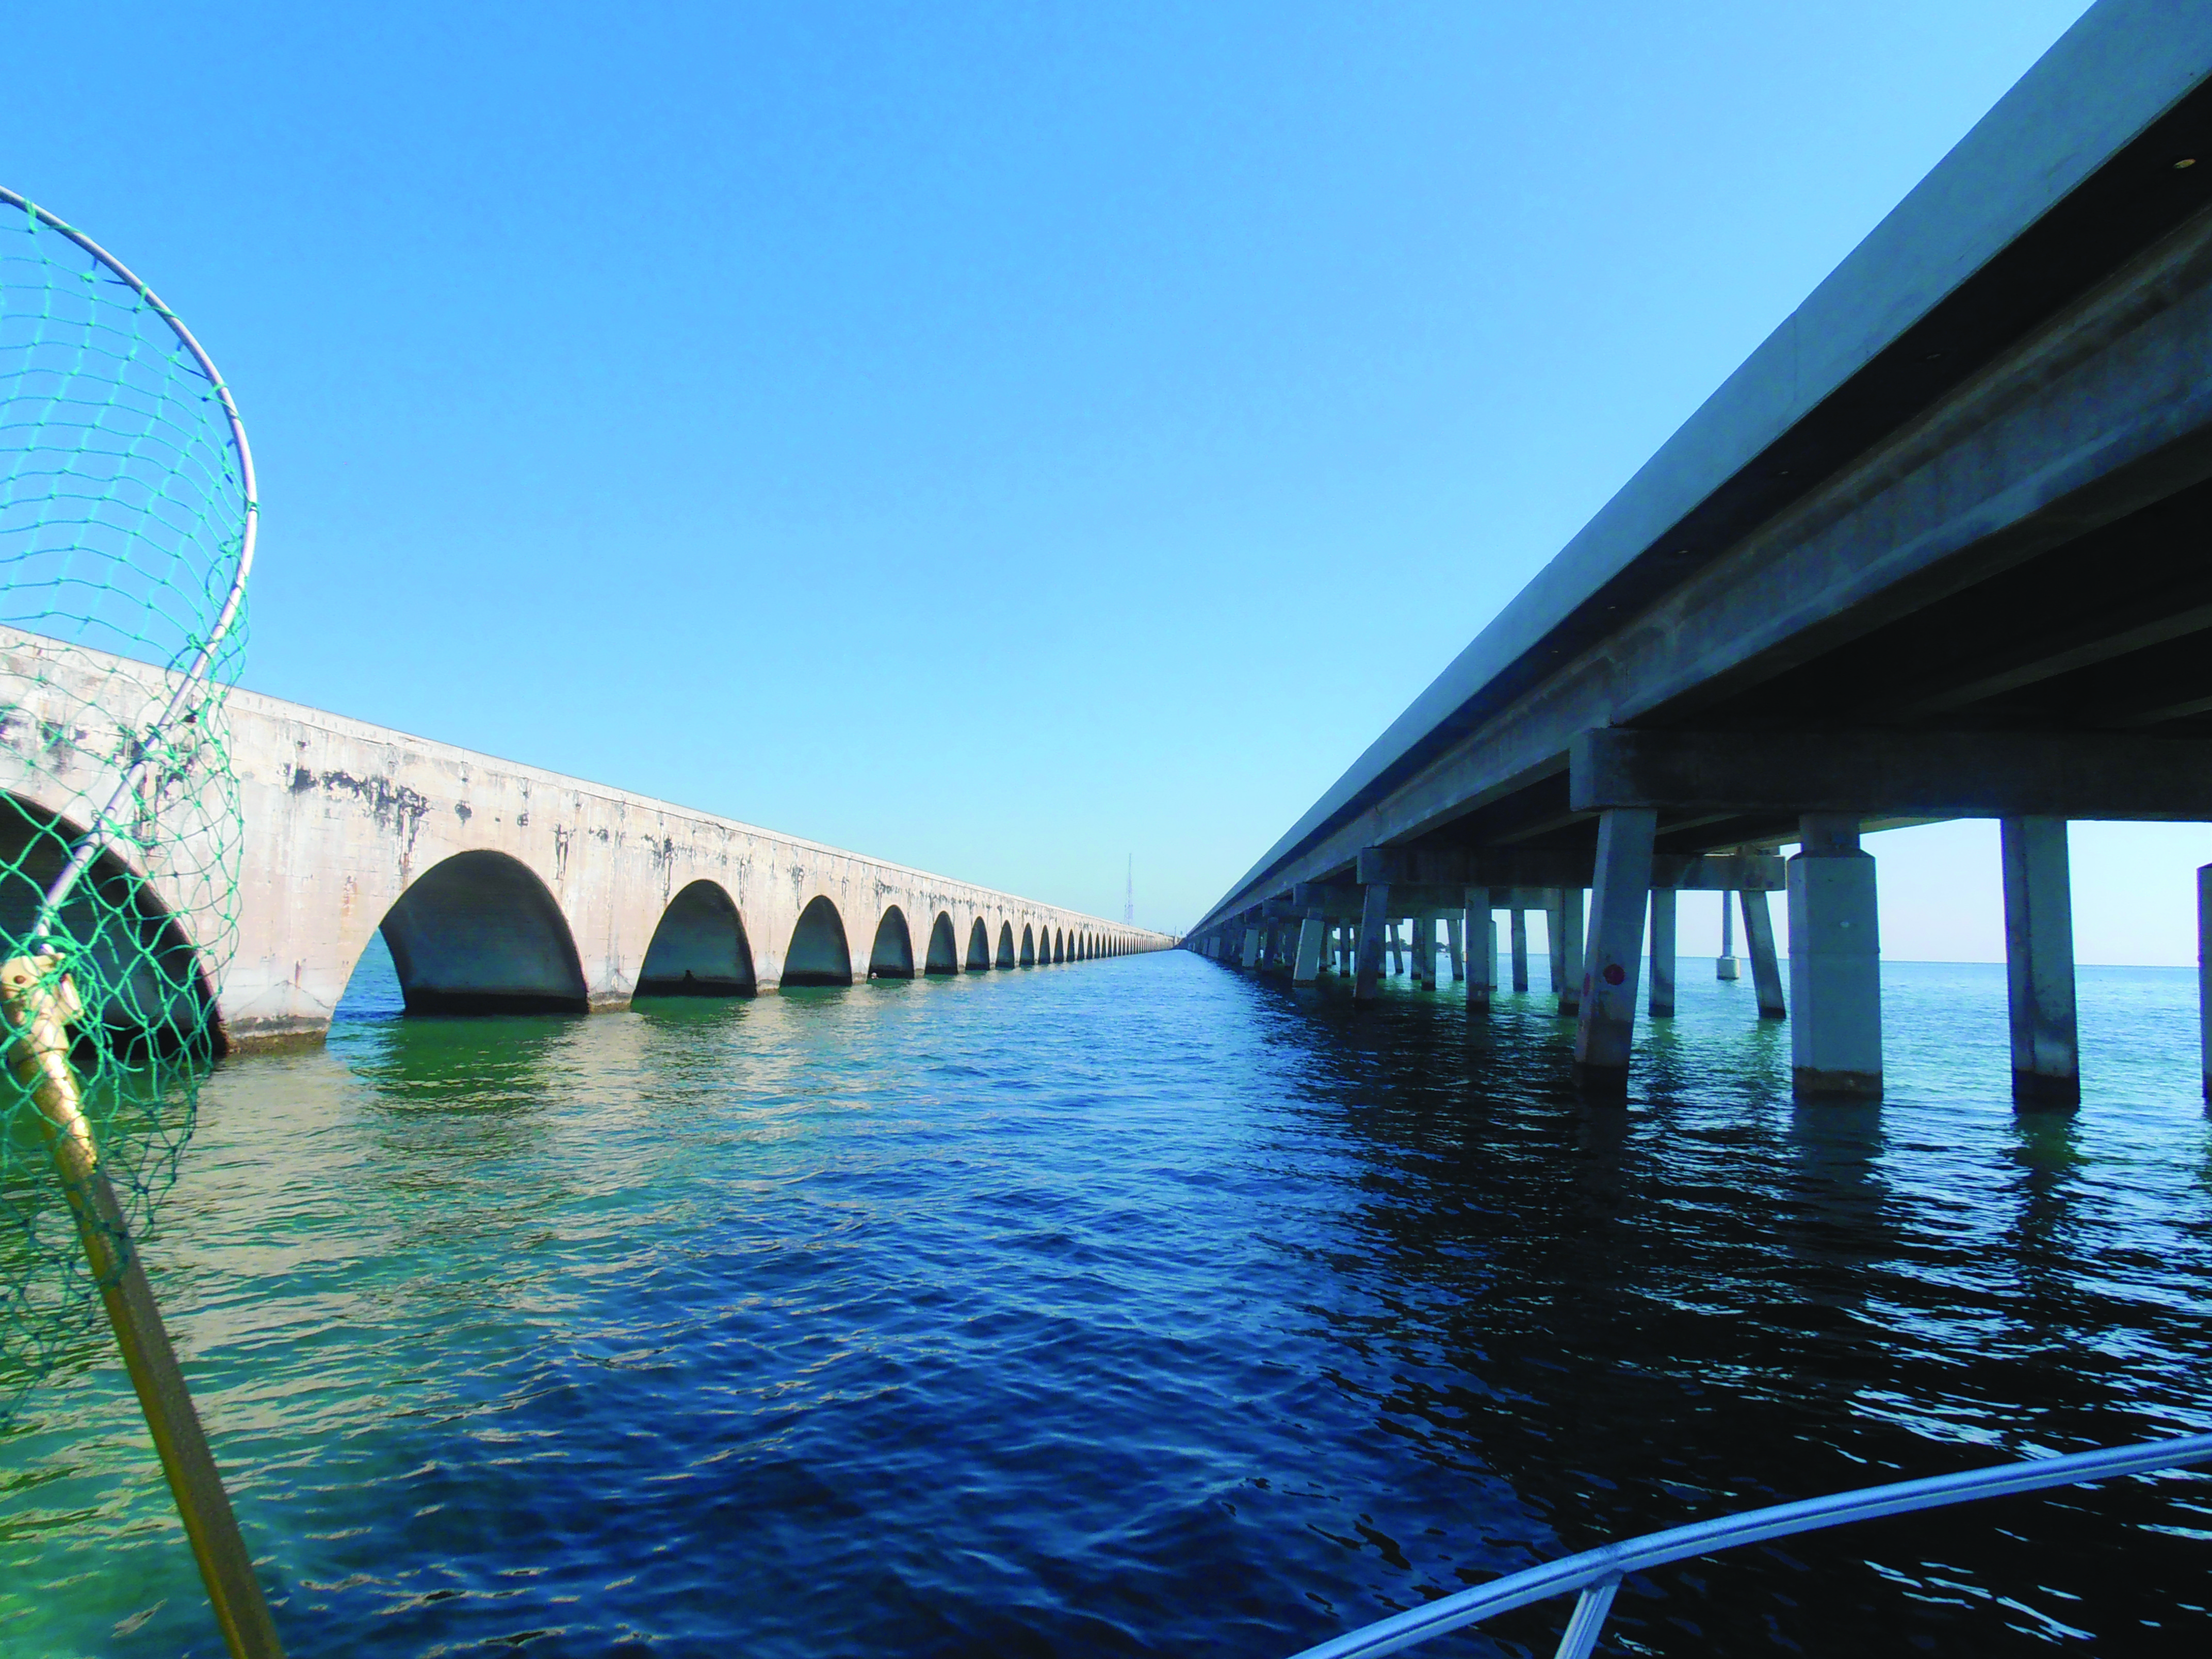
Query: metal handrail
1597,1574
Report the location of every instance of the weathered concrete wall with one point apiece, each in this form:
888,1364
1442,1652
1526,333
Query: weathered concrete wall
497,884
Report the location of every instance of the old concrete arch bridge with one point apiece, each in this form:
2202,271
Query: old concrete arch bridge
498,887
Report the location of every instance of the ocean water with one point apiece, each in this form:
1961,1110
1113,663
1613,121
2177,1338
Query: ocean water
1144,1306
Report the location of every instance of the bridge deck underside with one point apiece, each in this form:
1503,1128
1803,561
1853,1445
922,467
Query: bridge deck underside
2106,632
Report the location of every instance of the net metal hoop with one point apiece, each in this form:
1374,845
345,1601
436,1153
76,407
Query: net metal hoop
95,837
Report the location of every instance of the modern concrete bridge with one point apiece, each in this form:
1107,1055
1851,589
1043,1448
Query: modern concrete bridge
1938,549
498,887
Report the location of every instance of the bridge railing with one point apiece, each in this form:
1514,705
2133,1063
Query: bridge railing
1595,1574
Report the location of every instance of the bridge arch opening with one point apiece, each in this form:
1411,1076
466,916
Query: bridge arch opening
1029,945
818,953
1059,944
892,957
700,949
944,947
478,933
1006,944
127,939
979,947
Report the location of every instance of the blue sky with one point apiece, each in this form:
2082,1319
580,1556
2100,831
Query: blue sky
1005,439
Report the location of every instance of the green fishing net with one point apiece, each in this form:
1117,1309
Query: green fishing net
125,533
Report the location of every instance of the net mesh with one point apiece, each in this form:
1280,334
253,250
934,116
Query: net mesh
123,525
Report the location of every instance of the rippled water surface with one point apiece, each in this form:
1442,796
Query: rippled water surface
1141,1306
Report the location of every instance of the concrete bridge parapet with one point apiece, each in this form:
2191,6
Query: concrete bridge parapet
500,886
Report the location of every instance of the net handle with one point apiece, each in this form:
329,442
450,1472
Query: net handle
95,837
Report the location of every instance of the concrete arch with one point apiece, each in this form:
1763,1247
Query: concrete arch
699,949
1060,945
818,953
944,947
892,957
479,933
1029,945
128,938
979,947
1005,958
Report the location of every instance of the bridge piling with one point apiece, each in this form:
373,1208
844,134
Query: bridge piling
1725,965
1567,953
1835,963
1605,1017
2046,1073
1481,954
1759,939
2204,974
1375,905
1519,926
1307,968
1662,952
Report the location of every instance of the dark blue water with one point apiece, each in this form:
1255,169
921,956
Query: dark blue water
1143,1308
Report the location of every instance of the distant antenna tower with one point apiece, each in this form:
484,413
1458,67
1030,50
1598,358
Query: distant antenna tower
1129,895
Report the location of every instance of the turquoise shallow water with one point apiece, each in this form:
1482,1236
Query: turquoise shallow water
1140,1307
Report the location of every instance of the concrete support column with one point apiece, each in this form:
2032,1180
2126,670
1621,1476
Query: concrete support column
1555,936
1397,952
1308,967
2204,973
1519,926
1481,953
1374,907
1835,963
1766,967
1570,952
1663,953
1422,934
1724,966
1605,1026
2038,902
1452,950
1251,947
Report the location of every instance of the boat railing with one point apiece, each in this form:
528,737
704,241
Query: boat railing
1595,1574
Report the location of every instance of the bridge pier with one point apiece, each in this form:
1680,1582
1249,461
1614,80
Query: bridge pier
1251,947
2204,974
1725,965
1519,926
1452,950
1765,968
1481,953
1606,1018
1662,952
2046,1071
1835,963
1310,932
1374,907
1567,953
1421,938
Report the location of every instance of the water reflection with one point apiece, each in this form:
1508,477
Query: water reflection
1133,1309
